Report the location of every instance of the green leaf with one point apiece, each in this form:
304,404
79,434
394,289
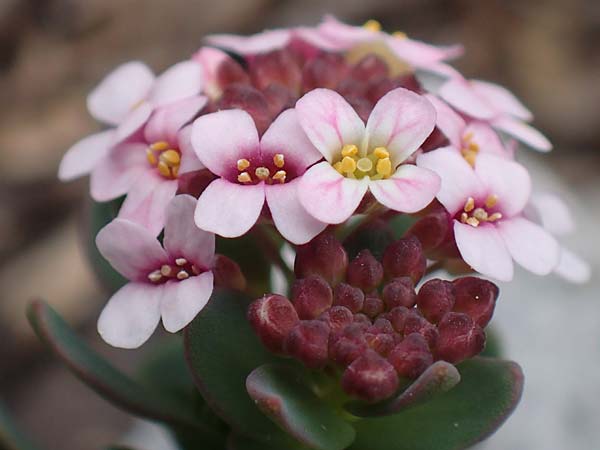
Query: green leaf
107,381
236,442
493,343
11,438
440,377
282,393
489,391
222,350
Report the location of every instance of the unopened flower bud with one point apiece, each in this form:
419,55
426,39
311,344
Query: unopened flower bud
324,256
435,299
279,98
373,306
348,296
338,318
436,140
397,317
364,271
324,71
370,68
459,338
370,378
431,230
382,325
405,258
251,100
228,274
415,323
399,292
382,343
475,297
311,296
349,345
362,319
272,317
411,357
278,66
308,342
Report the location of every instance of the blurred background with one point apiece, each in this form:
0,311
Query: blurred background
52,52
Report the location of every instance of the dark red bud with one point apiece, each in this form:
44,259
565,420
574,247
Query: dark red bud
383,325
399,292
415,323
405,258
308,342
397,318
431,230
278,66
279,98
459,338
240,96
349,345
411,357
435,140
194,183
382,343
362,319
370,378
324,256
338,318
272,317
348,296
373,306
311,296
228,273
364,271
435,299
362,106
324,71
476,297
229,72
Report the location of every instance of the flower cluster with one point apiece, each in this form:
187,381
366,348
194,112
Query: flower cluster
304,129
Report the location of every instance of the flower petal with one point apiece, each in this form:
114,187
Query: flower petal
189,159
229,209
448,121
131,249
289,216
329,122
408,190
119,92
81,158
486,139
552,213
400,122
180,81
222,138
572,268
530,245
484,250
133,121
328,196
420,54
502,99
459,93
523,132
251,45
166,121
131,315
183,300
459,181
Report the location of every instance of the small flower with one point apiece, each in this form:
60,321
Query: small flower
360,158
486,205
251,172
174,282
495,105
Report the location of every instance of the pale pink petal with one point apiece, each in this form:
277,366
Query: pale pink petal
147,200
82,157
131,249
341,36
459,93
459,181
166,121
180,81
572,268
131,315
286,136
329,122
408,190
507,179
400,122
251,45
328,196
189,159
530,245
183,300
210,60
315,38
183,238
222,138
448,121
116,173
552,213
502,99
290,218
420,54
486,139
120,91
133,121
229,209
523,132
484,250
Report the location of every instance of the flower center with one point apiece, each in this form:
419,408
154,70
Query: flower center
276,174
376,165
474,215
181,270
470,149
165,158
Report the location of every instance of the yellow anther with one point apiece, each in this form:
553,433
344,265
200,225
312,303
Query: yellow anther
243,164
280,176
348,165
349,150
472,221
469,204
399,35
175,171
372,25
338,166
473,147
262,173
181,262
470,156
279,160
381,152
480,214
151,157
494,217
166,270
491,201
244,177
171,157
364,165
160,146
463,217
468,136
163,169
182,275
384,167
155,276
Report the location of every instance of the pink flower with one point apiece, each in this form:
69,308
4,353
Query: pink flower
146,169
252,172
495,105
360,158
174,282
486,203
219,69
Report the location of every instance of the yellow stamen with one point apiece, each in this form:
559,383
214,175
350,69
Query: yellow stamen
155,276
164,169
181,262
470,204
473,147
175,171
243,164
372,25
384,167
280,176
349,150
171,157
278,160
480,214
182,275
166,270
262,173
381,152
348,165
160,146
399,35
151,157
244,177
468,136
470,156
463,217
472,221
494,217
338,166
364,164
491,201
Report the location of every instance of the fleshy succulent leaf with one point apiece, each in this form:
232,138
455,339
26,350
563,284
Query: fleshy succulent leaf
282,393
488,392
440,377
236,442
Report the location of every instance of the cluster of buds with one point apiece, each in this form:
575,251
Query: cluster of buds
365,316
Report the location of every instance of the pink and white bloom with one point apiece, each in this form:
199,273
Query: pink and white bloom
174,282
486,203
253,171
146,169
359,158
495,105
